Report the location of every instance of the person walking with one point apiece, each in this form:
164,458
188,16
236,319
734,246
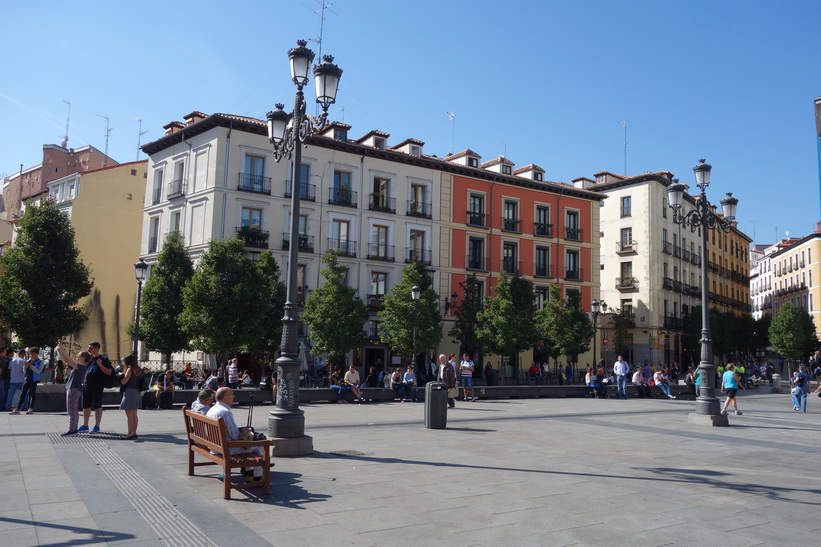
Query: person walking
98,367
4,367
74,386
132,382
730,384
801,387
621,369
17,378
447,375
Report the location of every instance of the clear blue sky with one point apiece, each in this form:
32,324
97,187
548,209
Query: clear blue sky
543,82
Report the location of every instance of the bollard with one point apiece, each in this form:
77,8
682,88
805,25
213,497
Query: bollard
776,384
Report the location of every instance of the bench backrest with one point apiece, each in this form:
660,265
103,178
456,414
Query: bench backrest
206,431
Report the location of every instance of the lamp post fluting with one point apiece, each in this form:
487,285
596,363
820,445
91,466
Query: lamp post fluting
702,218
594,313
140,271
416,292
288,134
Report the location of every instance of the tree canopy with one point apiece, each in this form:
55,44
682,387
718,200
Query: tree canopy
43,278
465,329
563,327
161,306
792,332
506,325
334,314
396,318
272,299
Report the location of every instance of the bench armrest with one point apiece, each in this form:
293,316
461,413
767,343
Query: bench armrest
248,444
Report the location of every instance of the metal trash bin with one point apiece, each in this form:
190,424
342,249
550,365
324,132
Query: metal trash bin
436,405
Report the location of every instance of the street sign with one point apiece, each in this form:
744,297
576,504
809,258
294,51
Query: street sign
604,341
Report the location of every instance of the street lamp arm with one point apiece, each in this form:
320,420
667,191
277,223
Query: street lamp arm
702,216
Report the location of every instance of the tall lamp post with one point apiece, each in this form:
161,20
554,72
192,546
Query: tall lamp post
702,218
140,272
594,314
416,292
288,134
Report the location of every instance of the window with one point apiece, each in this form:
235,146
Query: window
568,292
380,248
416,248
473,162
476,254
509,263
251,217
626,280
416,150
506,169
341,191
379,143
542,262
476,210
510,220
541,297
340,232
340,134
379,283
571,264
627,239
542,227
664,207
175,221
380,195
626,206
254,173
418,205
627,306
153,235
71,190
538,175
571,225
156,194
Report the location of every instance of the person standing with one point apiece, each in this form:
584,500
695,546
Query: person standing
621,369
132,382
222,409
729,385
568,373
33,368
233,373
98,368
74,386
447,375
466,372
4,368
801,386
17,378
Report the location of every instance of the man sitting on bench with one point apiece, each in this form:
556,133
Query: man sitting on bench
222,409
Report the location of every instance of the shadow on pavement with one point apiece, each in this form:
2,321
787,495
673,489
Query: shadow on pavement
96,536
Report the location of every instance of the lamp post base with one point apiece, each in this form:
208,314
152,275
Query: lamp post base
286,424
292,447
713,420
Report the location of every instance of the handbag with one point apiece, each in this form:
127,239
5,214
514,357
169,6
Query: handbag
453,392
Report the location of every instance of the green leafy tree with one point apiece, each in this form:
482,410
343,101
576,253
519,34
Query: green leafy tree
792,332
761,332
334,314
43,279
396,318
222,308
465,329
272,297
563,327
162,303
725,329
622,321
506,324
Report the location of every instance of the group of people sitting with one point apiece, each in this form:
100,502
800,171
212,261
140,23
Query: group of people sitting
643,378
403,384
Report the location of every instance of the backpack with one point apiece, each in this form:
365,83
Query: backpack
110,380
817,371
799,381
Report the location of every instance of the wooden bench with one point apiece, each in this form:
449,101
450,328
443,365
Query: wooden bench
206,434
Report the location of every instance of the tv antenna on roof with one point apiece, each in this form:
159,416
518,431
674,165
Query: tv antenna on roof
324,5
107,133
68,117
625,146
452,118
140,133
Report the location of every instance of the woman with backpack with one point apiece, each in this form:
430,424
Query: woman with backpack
800,387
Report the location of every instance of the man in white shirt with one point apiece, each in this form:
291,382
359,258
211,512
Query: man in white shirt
222,409
621,369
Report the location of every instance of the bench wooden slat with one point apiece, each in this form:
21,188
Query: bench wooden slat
206,434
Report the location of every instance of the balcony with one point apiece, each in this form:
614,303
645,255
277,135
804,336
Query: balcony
627,283
376,302
343,196
685,255
306,242
476,262
676,251
574,234
252,236
307,192
511,225
418,255
344,246
254,183
667,247
695,259
176,188
152,244
377,251
673,323
476,219
542,229
511,266
384,204
419,209
625,247
542,270
573,274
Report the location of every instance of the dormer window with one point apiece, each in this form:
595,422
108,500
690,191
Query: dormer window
379,143
473,162
340,134
507,170
538,175
416,151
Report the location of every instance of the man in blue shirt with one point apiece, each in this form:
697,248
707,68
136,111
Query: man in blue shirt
730,384
621,369
801,386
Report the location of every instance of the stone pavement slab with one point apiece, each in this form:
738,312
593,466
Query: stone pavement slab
512,472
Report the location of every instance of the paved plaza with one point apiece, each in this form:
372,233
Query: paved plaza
504,472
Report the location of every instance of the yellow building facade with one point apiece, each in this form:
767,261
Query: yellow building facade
729,270
796,271
106,210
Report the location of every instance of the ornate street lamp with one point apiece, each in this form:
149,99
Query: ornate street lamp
140,272
594,313
702,218
416,292
288,134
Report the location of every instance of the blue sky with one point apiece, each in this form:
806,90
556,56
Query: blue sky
543,82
